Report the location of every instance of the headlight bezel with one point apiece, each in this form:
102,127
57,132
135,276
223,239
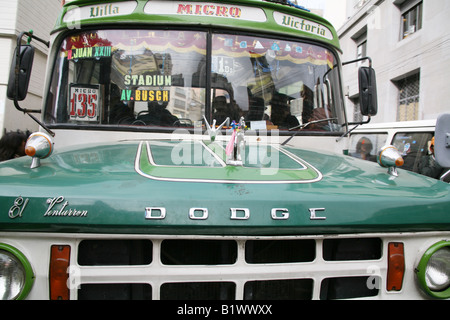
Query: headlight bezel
422,268
29,273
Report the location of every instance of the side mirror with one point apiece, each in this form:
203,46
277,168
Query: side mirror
442,141
20,73
368,91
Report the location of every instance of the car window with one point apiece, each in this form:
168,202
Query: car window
412,146
366,145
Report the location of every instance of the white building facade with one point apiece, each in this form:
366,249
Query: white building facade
17,16
409,43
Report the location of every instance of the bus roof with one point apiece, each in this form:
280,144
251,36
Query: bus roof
244,15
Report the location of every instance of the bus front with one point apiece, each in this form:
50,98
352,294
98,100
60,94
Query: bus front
190,150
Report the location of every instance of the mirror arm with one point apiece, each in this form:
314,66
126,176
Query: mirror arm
50,132
31,36
28,111
360,123
356,124
16,102
358,60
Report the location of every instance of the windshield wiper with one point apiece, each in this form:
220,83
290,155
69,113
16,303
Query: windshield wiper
303,126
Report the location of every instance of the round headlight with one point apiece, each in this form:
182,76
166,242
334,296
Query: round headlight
434,270
16,274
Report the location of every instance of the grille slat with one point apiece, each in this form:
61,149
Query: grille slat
114,252
198,252
280,251
198,291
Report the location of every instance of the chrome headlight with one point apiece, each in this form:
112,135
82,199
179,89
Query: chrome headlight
16,274
433,270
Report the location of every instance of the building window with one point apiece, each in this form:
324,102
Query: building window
409,96
360,39
412,19
362,50
359,4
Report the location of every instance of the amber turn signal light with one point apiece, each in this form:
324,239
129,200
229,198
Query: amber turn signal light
396,266
59,276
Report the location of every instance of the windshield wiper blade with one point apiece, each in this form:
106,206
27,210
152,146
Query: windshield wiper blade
303,126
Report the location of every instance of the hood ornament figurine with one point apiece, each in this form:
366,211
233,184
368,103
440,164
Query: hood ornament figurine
236,146
212,130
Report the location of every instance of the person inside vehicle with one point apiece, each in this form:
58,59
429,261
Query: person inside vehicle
428,165
363,149
158,115
12,145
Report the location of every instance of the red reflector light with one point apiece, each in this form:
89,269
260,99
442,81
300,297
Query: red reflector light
396,266
59,264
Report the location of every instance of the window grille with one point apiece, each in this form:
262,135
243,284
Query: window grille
409,97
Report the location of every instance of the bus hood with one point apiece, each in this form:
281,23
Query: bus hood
166,187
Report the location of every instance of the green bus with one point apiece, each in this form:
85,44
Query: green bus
193,150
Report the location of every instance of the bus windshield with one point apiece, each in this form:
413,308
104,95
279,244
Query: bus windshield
173,78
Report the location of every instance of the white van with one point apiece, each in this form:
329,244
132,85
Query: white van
411,138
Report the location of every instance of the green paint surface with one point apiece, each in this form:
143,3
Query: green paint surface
97,189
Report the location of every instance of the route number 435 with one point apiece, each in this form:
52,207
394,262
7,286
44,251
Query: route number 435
83,103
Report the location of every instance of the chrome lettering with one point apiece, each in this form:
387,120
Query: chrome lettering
160,213
313,214
202,216
280,214
62,211
240,214
18,208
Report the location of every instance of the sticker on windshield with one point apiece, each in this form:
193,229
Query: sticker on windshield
145,95
222,65
84,102
89,52
148,80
